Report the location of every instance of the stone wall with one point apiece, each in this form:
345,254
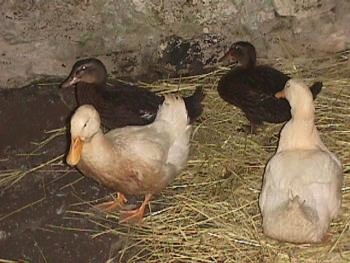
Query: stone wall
157,38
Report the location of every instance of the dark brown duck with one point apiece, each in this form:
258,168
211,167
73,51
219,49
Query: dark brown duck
252,87
123,104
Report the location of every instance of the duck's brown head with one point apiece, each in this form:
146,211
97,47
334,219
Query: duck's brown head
242,52
90,70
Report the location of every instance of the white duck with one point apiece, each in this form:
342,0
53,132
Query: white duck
136,160
301,191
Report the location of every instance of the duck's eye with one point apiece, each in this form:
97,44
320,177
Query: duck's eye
83,67
86,123
237,48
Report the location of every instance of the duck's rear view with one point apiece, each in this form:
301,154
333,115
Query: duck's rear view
251,88
122,104
301,191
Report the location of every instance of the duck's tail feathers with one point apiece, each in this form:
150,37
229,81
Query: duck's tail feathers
316,88
174,112
294,222
194,104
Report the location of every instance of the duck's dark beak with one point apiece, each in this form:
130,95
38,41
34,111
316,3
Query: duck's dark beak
75,150
280,95
228,57
69,82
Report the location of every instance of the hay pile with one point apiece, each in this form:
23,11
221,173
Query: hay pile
210,213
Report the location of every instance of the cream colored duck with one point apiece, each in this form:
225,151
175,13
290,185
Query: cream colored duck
135,160
301,190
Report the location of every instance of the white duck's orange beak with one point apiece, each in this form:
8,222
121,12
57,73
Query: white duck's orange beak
75,150
280,95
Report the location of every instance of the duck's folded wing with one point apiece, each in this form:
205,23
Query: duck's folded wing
269,80
265,106
129,105
265,188
273,109
141,142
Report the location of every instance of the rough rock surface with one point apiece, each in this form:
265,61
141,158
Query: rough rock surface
153,38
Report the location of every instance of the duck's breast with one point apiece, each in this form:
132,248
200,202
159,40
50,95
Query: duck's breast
99,162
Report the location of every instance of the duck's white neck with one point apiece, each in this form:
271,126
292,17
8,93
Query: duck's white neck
98,151
300,132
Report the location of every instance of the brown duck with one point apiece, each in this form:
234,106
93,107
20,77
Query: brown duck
123,104
252,87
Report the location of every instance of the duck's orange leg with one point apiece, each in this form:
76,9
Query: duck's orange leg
113,205
135,216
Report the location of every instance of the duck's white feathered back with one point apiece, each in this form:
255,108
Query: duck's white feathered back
315,179
302,182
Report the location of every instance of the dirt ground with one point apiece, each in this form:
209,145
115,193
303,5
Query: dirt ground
33,224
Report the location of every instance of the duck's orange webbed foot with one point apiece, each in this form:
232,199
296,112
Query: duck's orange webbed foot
135,216
113,205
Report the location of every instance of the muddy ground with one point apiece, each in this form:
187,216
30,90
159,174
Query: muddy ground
34,223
